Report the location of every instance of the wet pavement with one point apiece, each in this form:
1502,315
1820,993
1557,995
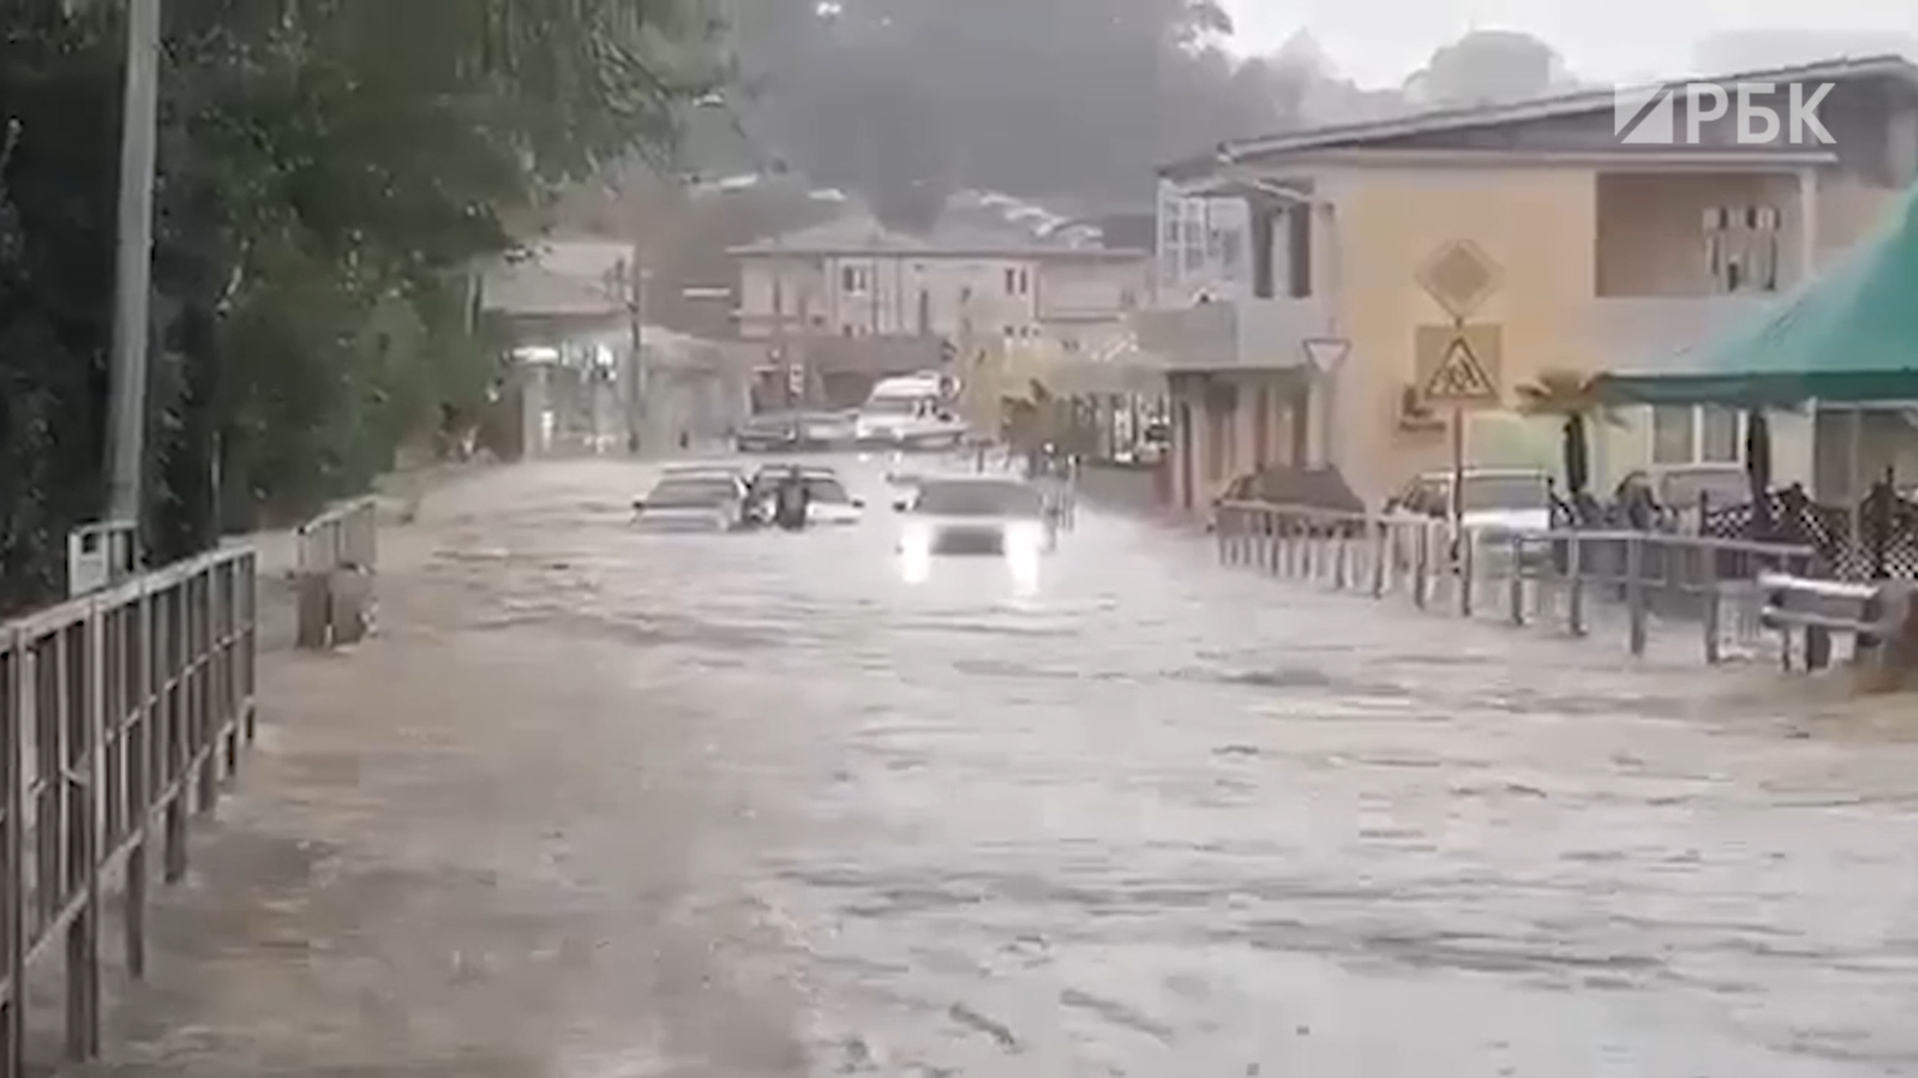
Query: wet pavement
603,804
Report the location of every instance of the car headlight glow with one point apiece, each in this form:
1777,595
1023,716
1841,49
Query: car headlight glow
1025,537
915,553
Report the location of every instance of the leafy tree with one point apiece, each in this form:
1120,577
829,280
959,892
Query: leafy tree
328,171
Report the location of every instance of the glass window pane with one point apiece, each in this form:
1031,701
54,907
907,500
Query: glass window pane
1718,436
1672,437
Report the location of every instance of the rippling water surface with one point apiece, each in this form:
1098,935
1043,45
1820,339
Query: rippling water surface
1156,818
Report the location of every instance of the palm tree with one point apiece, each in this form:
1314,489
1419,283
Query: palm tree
1573,397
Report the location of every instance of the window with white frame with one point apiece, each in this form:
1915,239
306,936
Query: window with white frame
855,280
1706,434
1193,213
1741,248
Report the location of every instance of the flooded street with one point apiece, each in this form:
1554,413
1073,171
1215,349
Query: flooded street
603,804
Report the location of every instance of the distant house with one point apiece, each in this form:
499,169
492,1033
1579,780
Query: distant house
852,300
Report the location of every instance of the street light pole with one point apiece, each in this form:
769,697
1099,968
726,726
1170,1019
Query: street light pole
632,380
134,260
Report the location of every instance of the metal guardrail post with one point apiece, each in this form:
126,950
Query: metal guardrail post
16,702
1817,647
1381,532
1518,580
1635,592
1421,567
1713,611
1575,585
1871,613
1463,558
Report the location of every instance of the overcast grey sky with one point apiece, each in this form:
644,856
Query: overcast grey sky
1379,42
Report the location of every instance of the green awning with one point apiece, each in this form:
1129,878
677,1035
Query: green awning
1849,336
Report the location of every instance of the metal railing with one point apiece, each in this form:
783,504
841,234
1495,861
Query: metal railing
115,709
337,552
1561,576
1870,614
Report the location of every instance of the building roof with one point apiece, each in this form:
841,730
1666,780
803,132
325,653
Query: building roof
1358,135
861,234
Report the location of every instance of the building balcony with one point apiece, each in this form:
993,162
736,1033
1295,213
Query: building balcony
1646,333
1243,334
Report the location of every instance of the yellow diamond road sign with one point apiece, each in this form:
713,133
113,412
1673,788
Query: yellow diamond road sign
1461,277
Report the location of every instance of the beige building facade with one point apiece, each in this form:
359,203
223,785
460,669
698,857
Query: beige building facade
1366,247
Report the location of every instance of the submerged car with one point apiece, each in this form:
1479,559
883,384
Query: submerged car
828,501
827,430
769,433
714,470
976,516
1501,509
694,502
1495,503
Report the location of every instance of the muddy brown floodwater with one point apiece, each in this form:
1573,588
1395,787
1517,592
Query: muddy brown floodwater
600,804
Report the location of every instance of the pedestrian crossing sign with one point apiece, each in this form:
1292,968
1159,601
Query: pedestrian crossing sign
1459,366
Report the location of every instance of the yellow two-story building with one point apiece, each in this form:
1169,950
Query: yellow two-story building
1311,285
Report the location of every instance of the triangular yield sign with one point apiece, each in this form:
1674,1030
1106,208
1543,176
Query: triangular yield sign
1325,353
1459,376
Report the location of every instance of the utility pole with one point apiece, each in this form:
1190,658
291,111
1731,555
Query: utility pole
635,376
133,276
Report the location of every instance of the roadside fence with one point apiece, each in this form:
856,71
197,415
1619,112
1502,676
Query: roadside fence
118,710
1570,579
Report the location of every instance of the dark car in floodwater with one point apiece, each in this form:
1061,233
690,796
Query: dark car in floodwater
771,432
784,432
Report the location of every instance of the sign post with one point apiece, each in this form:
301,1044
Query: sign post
1458,370
1461,376
1462,360
100,555
1325,355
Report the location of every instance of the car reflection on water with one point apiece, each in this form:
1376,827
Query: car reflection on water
975,517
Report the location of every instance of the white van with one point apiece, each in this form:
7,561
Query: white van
910,412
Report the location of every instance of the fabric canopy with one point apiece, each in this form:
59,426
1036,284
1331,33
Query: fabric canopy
1849,336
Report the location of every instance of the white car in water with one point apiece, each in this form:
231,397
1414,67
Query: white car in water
976,516
1501,509
910,412
827,499
694,502
1496,503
